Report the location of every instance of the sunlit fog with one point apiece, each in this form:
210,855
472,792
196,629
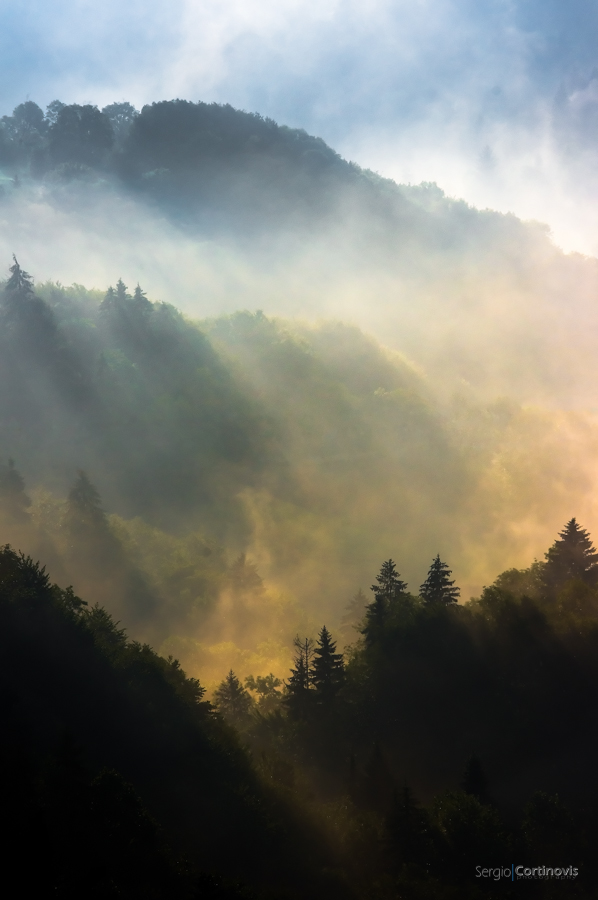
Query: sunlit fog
298,441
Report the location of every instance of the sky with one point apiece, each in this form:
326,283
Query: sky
495,100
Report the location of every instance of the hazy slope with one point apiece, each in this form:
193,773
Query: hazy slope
215,209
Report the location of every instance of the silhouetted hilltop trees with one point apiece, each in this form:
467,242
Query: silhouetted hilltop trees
223,170
102,740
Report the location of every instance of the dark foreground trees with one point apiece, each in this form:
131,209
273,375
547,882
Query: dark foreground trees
117,777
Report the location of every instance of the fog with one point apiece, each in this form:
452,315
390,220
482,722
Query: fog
412,376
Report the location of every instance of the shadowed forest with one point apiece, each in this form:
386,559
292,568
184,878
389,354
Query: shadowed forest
247,650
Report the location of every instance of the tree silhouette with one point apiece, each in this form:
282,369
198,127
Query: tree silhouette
438,587
298,696
327,669
387,592
573,556
232,700
20,282
266,687
389,583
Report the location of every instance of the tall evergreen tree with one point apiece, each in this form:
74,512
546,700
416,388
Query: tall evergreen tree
387,592
122,293
327,669
438,587
299,694
109,301
20,282
389,583
573,556
140,302
233,701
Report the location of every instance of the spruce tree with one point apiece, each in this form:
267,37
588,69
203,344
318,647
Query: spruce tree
438,587
140,302
122,293
109,301
387,592
233,701
327,669
299,694
389,583
20,282
573,556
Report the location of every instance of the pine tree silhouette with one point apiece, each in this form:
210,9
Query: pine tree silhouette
299,694
233,701
327,669
573,556
387,592
438,588
389,583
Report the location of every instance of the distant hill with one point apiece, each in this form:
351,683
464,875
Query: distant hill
217,209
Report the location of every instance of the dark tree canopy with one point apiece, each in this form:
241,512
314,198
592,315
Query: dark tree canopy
232,700
571,556
389,584
81,135
327,668
438,587
298,695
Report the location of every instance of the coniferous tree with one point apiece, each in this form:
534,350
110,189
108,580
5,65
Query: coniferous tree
299,694
327,669
20,282
122,293
573,556
438,587
389,583
233,701
387,592
140,302
109,301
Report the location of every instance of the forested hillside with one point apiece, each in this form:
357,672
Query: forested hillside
152,455
218,209
222,487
